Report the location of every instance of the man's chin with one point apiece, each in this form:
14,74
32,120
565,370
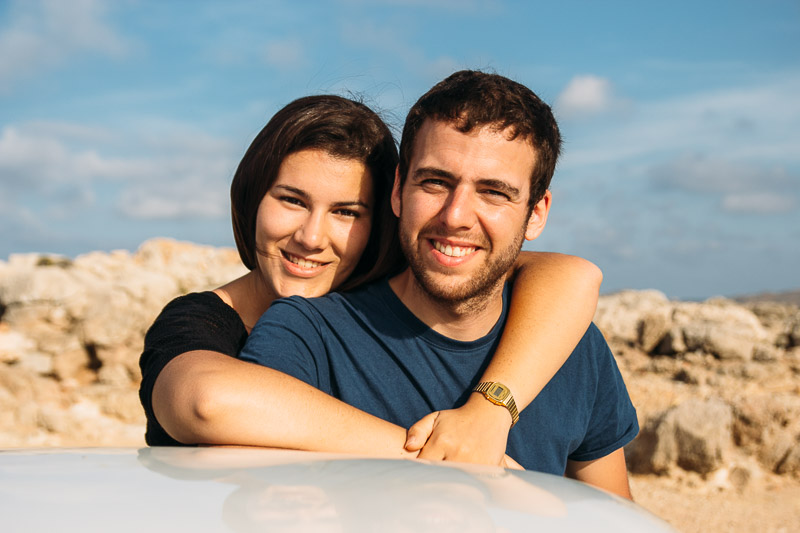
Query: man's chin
454,290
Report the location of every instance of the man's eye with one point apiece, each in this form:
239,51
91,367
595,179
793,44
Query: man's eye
500,195
432,182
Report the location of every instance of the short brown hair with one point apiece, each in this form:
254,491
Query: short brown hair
342,128
471,99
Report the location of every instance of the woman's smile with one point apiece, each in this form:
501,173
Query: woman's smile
301,266
313,224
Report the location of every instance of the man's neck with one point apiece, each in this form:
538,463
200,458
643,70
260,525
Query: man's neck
465,320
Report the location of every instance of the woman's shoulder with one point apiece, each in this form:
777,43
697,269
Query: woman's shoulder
198,310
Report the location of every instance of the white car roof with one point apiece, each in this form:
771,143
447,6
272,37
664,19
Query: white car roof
231,489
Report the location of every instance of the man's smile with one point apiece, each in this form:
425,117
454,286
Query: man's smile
452,251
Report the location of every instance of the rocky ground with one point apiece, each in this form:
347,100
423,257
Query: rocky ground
716,384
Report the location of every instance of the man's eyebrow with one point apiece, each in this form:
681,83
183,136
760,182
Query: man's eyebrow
305,196
433,172
501,186
497,184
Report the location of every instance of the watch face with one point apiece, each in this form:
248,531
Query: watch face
499,392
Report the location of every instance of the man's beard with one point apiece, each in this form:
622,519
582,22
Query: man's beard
476,291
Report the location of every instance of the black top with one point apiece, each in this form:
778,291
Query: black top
196,321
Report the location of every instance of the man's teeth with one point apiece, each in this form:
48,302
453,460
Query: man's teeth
305,263
453,251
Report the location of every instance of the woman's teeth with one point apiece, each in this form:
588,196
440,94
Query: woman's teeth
299,261
453,251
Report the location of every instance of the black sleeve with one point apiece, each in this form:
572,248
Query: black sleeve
197,321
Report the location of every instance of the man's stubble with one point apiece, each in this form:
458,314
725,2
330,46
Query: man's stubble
478,291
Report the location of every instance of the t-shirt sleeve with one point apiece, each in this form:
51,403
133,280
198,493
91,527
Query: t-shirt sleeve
197,321
287,338
613,422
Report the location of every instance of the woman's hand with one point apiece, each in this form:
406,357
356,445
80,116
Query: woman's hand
476,432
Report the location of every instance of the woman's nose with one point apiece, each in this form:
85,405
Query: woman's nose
312,234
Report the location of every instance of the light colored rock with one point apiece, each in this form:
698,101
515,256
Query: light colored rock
695,435
703,434
724,329
13,345
766,353
654,326
790,464
619,315
36,362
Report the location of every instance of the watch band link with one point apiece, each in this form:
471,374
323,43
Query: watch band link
499,394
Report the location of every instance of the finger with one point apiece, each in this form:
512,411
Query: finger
419,433
432,451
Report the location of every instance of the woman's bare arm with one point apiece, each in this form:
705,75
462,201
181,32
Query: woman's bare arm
205,397
553,301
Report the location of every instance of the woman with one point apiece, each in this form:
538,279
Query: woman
311,213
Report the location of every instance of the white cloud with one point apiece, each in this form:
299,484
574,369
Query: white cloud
42,34
700,173
187,177
759,203
287,54
585,95
738,124
741,187
192,196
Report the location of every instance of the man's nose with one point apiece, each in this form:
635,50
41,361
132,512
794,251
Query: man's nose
459,209
313,233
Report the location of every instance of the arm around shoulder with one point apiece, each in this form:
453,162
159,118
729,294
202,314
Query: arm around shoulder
553,301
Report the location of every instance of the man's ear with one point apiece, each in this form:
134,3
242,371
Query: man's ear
538,217
396,194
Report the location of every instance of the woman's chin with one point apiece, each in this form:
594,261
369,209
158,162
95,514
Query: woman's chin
307,288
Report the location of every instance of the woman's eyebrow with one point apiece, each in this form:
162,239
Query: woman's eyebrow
299,192
305,196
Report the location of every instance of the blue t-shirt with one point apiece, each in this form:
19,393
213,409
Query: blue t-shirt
368,349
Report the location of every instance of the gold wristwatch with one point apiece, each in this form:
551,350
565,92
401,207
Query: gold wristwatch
499,394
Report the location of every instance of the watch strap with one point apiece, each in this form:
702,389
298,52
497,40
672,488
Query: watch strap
506,399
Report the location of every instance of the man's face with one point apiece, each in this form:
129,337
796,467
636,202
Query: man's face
463,209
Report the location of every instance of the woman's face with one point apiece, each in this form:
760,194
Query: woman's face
313,223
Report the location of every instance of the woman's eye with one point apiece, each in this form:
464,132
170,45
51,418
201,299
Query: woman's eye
292,200
348,213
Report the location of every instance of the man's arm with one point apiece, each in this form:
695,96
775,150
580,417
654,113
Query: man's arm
608,473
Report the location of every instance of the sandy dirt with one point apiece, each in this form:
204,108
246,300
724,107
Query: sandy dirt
773,506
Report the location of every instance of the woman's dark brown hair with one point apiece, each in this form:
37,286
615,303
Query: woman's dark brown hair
342,128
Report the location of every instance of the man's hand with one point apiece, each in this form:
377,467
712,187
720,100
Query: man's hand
476,432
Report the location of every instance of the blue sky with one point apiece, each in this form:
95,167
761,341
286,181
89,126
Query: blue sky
124,120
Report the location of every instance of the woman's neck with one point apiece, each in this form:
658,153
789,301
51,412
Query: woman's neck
247,296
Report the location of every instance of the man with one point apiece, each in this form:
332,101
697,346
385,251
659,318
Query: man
476,158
